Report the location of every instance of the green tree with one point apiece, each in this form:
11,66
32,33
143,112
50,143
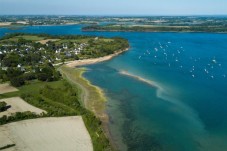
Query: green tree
43,76
11,60
2,106
13,72
17,81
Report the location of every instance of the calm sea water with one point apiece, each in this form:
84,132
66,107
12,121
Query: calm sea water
168,92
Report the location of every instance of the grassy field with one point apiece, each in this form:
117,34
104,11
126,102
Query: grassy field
32,88
26,37
59,99
84,40
30,37
73,40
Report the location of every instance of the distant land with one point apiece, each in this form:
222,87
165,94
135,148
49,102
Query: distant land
128,23
151,28
165,24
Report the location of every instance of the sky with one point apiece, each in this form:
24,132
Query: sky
113,7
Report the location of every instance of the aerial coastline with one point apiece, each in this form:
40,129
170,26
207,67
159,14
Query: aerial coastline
93,97
80,98
141,100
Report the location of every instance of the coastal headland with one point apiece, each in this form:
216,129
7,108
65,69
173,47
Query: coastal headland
33,66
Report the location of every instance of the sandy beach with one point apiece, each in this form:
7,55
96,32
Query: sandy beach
93,61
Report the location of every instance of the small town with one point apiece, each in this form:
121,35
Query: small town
32,54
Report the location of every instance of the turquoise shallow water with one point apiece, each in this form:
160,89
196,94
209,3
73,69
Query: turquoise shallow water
184,107
178,103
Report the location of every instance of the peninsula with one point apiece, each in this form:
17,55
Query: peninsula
46,88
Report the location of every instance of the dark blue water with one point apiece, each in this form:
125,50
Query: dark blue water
168,92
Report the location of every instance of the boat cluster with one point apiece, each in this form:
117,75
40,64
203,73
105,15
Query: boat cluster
168,55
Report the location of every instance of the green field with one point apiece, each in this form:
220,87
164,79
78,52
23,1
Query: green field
59,98
32,88
37,38
26,37
31,37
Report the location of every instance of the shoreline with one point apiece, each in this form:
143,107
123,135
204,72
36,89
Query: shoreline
77,63
101,114
92,97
